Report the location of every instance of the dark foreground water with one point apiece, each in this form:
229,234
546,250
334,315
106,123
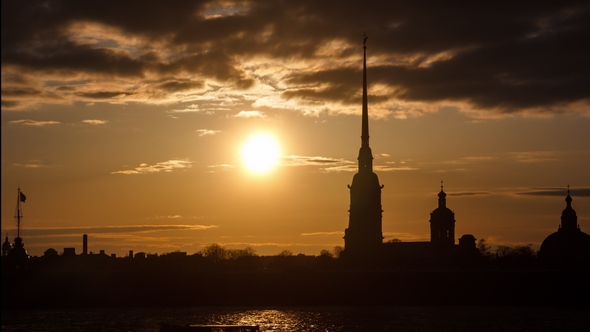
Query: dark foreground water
349,318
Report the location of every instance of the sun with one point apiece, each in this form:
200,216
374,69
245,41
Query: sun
260,153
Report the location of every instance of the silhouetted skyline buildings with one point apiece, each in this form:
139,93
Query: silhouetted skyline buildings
363,237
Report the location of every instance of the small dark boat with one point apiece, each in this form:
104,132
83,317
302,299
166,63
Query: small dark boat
208,328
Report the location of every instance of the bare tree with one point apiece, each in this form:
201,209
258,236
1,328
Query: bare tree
484,248
214,252
504,251
337,251
285,253
326,254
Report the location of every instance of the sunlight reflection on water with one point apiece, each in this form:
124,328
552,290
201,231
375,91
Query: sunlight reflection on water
313,319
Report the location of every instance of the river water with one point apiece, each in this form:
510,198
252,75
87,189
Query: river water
333,318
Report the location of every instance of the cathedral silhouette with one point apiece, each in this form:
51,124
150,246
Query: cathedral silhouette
363,239
364,236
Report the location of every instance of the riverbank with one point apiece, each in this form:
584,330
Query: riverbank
62,289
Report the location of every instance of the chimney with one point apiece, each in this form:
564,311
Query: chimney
84,244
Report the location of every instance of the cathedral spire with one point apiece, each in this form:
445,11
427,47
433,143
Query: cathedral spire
364,232
365,154
365,120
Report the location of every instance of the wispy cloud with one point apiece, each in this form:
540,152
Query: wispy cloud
327,164
175,216
312,161
534,156
468,193
555,192
405,237
189,109
33,163
387,168
94,122
322,233
205,132
34,122
250,114
165,166
468,160
222,167
94,230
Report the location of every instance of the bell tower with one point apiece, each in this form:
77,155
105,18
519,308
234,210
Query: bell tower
364,232
569,219
442,222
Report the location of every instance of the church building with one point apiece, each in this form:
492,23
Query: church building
363,239
569,245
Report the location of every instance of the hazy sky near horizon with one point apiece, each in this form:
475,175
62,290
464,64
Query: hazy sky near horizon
124,120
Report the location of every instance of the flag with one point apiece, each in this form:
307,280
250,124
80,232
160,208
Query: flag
23,198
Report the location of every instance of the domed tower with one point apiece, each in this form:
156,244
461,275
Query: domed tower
364,232
569,243
569,219
6,246
442,222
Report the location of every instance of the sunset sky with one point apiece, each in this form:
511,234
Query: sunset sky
125,120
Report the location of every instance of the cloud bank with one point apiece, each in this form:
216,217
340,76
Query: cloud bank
299,55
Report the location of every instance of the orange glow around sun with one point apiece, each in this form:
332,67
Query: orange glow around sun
260,153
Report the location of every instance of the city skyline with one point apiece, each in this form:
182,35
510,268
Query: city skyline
131,130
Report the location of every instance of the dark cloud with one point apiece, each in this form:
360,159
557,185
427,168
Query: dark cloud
25,92
104,94
468,193
343,86
65,88
556,192
174,86
211,64
528,55
9,103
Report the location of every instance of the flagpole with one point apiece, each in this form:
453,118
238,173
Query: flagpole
18,216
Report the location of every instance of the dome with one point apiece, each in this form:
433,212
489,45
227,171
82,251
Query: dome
566,242
569,241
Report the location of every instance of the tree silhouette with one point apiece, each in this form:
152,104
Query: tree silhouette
484,248
285,253
336,251
214,252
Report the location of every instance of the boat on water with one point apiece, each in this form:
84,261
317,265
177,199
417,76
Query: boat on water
208,328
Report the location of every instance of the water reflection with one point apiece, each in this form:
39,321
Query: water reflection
318,319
